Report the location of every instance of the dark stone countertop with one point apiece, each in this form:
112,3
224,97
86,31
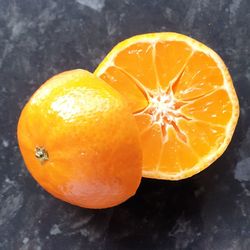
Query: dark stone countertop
208,211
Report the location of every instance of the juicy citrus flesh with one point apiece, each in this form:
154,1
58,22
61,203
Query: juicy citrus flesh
182,97
80,141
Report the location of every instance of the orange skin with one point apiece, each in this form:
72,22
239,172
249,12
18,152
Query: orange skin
80,141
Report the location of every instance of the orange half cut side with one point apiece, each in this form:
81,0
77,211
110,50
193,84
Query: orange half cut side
182,97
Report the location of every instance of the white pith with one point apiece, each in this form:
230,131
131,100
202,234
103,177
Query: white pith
162,108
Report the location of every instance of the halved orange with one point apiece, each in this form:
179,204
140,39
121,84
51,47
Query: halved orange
182,97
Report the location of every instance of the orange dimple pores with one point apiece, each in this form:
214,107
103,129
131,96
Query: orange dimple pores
182,97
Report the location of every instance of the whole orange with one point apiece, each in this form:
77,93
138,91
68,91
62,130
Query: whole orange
80,141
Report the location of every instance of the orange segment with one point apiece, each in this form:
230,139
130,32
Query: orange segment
202,137
192,108
135,59
143,121
152,144
170,58
135,98
197,82
215,108
176,156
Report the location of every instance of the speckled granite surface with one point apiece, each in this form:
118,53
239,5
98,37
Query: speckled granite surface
39,38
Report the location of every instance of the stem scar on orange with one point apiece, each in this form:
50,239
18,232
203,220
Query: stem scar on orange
182,97
80,141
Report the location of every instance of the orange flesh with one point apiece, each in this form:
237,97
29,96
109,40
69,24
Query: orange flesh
179,100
